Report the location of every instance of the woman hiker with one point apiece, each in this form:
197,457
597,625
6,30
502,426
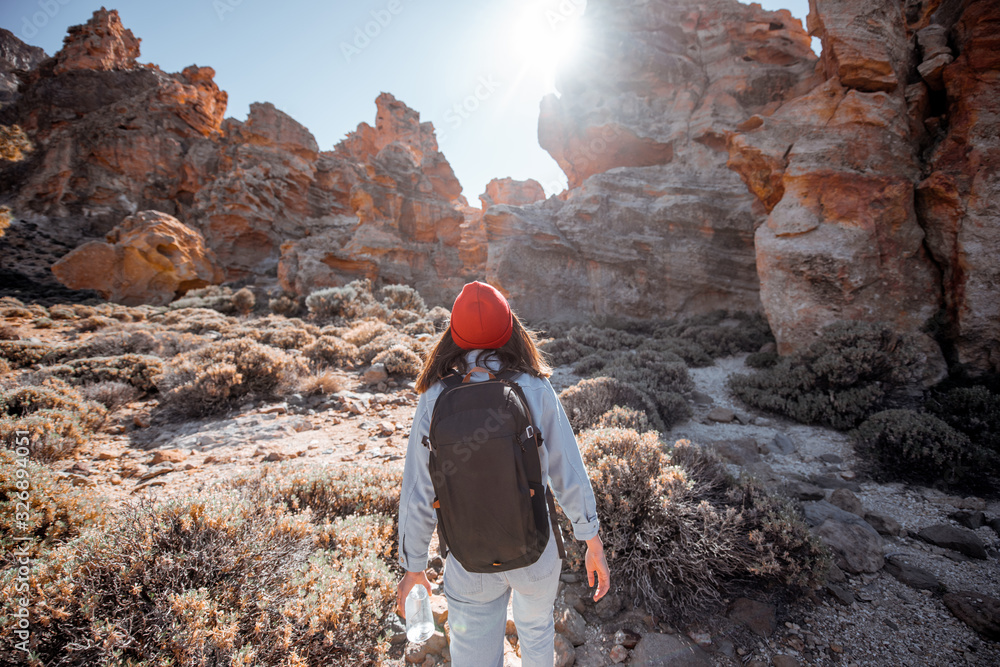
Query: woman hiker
485,334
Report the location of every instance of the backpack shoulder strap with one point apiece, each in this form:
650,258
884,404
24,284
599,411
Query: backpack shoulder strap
452,379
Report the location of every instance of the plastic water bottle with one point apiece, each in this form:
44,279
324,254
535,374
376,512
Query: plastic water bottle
419,619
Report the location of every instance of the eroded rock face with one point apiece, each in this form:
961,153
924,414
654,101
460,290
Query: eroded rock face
151,257
836,168
654,223
116,137
15,56
957,201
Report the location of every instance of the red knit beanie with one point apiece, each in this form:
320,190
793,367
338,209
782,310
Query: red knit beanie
481,318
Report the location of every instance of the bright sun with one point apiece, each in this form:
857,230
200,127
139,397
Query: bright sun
546,36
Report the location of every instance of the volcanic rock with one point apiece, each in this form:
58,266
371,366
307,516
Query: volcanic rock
150,257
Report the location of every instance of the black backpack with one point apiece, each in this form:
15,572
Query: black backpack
493,511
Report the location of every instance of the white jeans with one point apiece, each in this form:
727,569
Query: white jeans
477,611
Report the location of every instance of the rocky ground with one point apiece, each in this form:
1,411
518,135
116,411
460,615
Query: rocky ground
868,615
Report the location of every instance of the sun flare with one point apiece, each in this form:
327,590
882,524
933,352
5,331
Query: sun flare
547,36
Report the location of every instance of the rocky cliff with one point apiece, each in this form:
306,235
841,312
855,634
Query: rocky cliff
654,223
877,181
116,137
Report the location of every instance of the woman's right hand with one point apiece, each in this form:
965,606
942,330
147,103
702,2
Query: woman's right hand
597,565
410,579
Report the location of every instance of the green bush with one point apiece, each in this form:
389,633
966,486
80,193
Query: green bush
851,372
917,447
210,580
975,411
57,511
762,359
587,400
680,533
225,373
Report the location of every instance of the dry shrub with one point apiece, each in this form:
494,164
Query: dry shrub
851,372
762,359
587,400
15,312
403,297
244,301
363,332
286,338
211,580
440,317
8,332
904,445
619,417
43,323
82,310
55,417
420,327
285,305
332,351
212,297
326,493
22,353
323,382
138,370
4,367
95,322
352,301
112,394
680,533
399,360
194,320
57,511
160,343
224,373
62,313
721,333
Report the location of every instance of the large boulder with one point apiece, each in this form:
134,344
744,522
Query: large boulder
150,258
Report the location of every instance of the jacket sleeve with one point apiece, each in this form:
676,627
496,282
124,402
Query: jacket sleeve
417,518
567,474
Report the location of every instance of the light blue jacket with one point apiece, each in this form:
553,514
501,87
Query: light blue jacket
560,458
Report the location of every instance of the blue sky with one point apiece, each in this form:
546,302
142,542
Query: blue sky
476,70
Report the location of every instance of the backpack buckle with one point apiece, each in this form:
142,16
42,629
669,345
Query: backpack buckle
427,443
529,433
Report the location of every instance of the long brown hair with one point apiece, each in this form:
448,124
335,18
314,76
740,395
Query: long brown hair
520,353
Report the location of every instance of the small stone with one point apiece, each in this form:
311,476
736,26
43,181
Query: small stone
843,595
657,650
980,612
156,471
831,458
830,482
115,480
701,638
883,524
607,606
627,638
386,428
971,520
721,415
757,616
784,661
915,577
375,374
619,653
141,420
106,456
847,501
276,409
803,491
276,456
147,485
781,444
569,577
961,540
836,648
565,653
571,624
167,456
439,608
